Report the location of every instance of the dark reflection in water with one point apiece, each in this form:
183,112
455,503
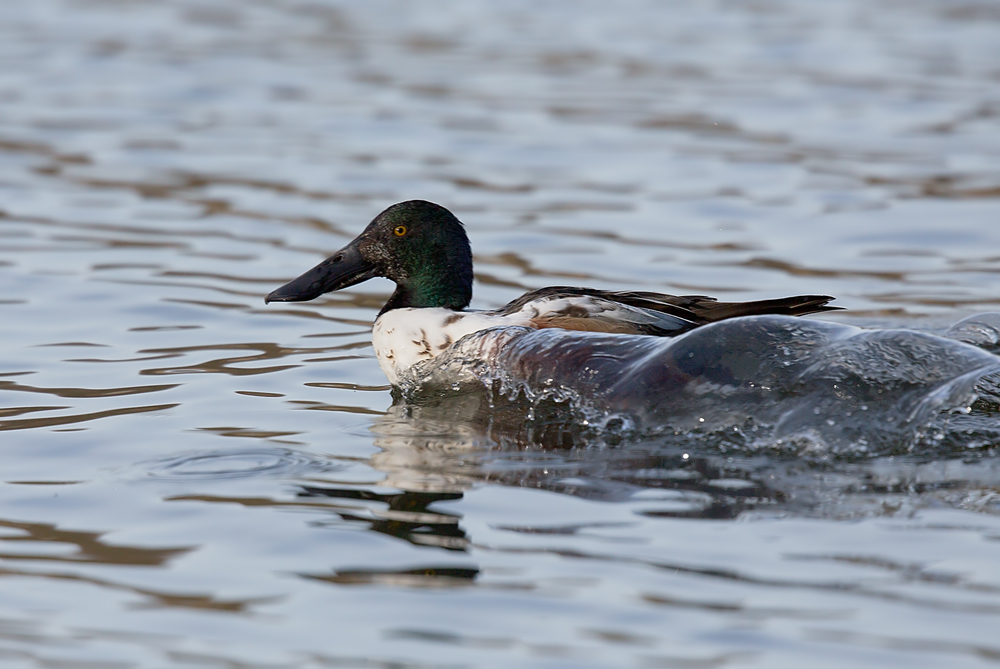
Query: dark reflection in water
440,577
405,516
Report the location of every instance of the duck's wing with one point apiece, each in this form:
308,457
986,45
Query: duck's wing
708,309
639,312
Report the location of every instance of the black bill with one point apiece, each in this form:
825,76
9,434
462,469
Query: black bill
345,268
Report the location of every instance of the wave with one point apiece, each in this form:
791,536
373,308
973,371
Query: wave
762,382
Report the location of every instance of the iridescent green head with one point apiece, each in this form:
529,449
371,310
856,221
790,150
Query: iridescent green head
419,245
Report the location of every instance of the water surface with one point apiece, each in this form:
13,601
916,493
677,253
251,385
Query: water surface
192,478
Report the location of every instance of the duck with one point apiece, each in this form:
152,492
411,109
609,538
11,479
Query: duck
424,249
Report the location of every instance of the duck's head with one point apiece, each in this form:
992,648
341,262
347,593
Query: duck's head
419,245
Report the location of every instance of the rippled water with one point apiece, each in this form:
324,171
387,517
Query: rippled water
192,478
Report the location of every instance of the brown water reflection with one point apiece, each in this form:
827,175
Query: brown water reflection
89,547
53,421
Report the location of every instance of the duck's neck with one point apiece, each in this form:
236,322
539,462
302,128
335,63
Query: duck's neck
449,290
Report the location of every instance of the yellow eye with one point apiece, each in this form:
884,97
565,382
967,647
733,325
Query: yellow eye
399,230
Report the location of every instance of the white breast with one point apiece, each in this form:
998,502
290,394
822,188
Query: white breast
404,337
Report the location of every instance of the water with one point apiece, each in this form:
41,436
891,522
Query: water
192,478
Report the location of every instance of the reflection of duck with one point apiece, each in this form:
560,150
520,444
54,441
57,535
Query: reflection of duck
440,443
424,249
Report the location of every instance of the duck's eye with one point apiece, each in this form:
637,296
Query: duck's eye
399,230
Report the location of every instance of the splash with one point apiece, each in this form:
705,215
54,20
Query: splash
764,382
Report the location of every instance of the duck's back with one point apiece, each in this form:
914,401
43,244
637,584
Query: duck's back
406,336
637,312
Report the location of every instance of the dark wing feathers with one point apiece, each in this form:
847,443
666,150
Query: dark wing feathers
799,305
698,309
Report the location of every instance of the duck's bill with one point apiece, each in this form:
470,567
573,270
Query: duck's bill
345,268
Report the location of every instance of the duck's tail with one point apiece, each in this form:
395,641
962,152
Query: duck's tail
710,310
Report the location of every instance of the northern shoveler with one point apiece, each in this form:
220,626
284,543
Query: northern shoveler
423,248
